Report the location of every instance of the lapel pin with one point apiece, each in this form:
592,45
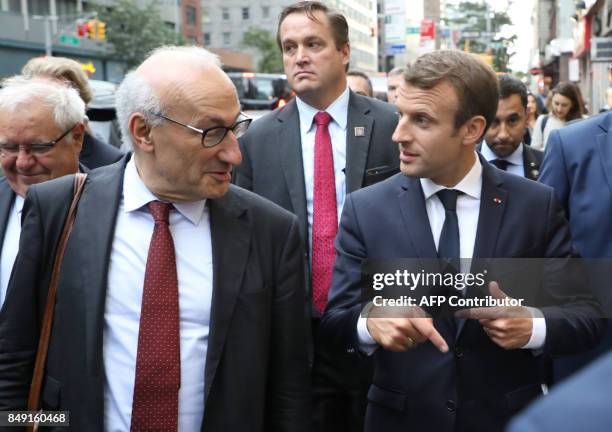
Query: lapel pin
359,131
532,164
497,200
535,173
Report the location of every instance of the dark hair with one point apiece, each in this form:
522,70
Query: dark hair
509,85
337,22
474,82
572,92
365,77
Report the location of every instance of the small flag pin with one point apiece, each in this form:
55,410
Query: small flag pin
497,200
359,131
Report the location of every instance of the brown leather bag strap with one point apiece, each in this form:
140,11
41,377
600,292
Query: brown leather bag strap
47,323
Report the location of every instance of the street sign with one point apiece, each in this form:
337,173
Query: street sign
470,34
70,40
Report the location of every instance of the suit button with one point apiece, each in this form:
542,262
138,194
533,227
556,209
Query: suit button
450,405
350,350
458,352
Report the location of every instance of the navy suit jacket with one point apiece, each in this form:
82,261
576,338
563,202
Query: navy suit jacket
477,386
578,165
580,403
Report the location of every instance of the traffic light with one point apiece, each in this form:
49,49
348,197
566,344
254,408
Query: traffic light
101,30
82,30
91,29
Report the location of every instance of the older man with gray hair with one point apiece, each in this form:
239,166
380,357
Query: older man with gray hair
181,298
41,134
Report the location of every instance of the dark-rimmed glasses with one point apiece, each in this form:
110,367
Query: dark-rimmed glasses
10,149
214,135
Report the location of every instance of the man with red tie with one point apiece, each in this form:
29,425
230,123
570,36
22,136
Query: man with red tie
306,157
173,280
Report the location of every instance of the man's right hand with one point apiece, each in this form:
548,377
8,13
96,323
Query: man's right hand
400,329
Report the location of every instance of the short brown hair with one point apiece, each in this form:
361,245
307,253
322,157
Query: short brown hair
474,82
61,68
337,21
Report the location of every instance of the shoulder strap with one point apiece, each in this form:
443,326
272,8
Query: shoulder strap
47,322
543,124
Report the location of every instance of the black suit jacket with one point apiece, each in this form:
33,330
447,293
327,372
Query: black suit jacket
477,386
532,159
96,153
272,154
7,196
256,376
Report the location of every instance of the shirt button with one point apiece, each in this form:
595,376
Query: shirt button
459,352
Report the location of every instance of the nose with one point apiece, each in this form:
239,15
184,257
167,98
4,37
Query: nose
502,133
25,160
230,150
402,132
301,56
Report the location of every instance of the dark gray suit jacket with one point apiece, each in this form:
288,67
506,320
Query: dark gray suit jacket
257,300
7,196
272,154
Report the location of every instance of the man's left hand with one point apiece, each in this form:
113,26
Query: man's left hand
509,327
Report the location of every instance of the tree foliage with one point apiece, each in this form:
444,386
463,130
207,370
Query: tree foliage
134,32
471,16
263,41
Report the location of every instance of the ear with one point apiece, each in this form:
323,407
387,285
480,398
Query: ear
141,132
473,130
78,134
346,54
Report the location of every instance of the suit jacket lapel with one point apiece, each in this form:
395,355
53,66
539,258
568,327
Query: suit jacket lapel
412,205
290,144
94,229
231,237
357,141
7,196
605,149
531,166
492,206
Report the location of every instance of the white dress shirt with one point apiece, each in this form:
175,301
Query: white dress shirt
190,228
515,160
10,245
338,111
468,211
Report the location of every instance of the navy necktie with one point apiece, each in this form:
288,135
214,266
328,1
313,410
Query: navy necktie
502,164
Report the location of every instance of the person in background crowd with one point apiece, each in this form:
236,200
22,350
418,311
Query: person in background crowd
503,145
360,83
41,135
566,104
306,157
533,111
94,153
181,297
394,79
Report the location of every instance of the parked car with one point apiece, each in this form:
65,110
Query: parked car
260,91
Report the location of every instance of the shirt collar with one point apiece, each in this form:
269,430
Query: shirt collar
516,158
470,185
136,195
338,110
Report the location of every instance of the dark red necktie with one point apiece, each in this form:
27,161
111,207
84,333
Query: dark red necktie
158,362
325,213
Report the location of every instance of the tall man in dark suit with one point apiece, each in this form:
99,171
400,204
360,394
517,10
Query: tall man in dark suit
180,296
41,135
306,157
578,165
503,145
440,374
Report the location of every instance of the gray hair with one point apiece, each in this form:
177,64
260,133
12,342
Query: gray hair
397,71
136,95
20,91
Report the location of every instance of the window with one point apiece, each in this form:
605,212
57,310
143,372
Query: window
265,11
227,38
225,14
206,39
245,13
190,15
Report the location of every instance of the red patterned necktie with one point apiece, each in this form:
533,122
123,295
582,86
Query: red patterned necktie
325,213
158,362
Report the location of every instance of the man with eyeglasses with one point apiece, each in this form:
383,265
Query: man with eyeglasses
41,134
180,299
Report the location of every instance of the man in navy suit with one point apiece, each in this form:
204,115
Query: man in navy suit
578,165
440,373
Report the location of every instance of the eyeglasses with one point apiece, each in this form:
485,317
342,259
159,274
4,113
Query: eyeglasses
10,149
214,135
